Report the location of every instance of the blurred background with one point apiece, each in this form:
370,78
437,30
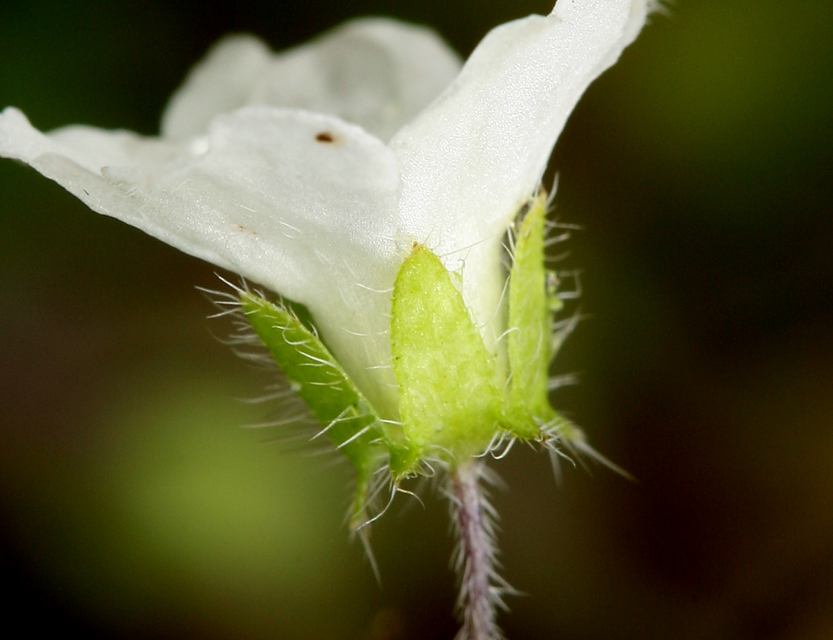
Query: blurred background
133,504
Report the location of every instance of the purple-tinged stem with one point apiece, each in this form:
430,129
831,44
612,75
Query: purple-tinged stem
480,586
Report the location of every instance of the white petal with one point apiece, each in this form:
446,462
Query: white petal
377,73
475,155
304,204
221,82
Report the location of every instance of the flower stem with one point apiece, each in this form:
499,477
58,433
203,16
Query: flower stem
480,586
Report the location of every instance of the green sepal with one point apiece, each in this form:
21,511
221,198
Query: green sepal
532,343
529,334
348,418
448,397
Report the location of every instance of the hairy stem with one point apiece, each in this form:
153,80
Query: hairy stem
480,586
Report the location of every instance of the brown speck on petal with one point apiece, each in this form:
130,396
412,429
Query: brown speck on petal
325,136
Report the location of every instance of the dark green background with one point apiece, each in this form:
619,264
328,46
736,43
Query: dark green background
133,506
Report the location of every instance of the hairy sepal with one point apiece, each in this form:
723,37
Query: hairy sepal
533,301
347,417
449,399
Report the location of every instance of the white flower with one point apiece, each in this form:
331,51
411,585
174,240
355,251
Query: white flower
313,172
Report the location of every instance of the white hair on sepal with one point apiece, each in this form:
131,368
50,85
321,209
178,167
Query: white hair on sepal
562,329
374,509
287,412
561,435
563,380
583,447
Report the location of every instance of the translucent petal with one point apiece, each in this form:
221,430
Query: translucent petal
475,155
377,73
302,203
